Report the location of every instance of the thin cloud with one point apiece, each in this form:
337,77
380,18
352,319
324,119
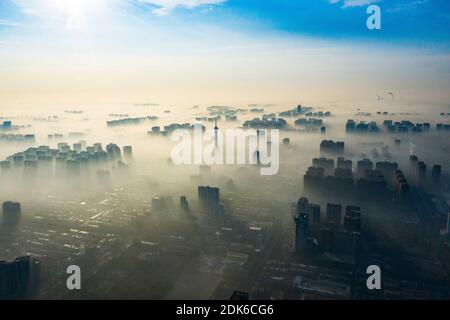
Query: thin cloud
408,6
9,23
166,6
354,3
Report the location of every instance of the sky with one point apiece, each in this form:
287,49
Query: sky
73,52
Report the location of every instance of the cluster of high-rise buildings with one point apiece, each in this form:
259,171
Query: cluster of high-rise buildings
366,183
336,234
362,126
129,121
309,122
442,126
209,201
66,159
424,179
166,130
17,137
266,123
330,146
406,126
294,112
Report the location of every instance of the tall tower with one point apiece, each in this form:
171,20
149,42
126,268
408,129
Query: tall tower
216,133
301,231
257,153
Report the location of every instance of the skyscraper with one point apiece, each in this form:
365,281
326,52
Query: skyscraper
11,213
128,152
334,214
301,231
302,205
421,173
19,279
113,151
314,211
352,218
436,175
209,200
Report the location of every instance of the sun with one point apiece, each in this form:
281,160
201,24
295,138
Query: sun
77,12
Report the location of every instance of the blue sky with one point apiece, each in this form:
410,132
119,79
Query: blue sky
223,51
414,22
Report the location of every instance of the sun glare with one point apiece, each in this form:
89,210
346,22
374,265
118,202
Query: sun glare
77,12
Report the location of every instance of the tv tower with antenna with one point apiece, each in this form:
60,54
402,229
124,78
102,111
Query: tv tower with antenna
216,133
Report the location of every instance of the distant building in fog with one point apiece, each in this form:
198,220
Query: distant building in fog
363,165
128,152
184,204
209,200
421,173
113,151
11,213
436,175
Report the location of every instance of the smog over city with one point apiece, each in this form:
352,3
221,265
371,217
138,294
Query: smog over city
224,150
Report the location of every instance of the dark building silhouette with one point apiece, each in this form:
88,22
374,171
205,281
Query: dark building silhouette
352,219
209,200
301,231
302,204
239,295
387,168
334,214
421,173
362,126
11,213
313,178
329,146
401,186
314,212
326,164
324,177
436,175
413,164
19,279
113,151
362,166
184,204
344,164
371,186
